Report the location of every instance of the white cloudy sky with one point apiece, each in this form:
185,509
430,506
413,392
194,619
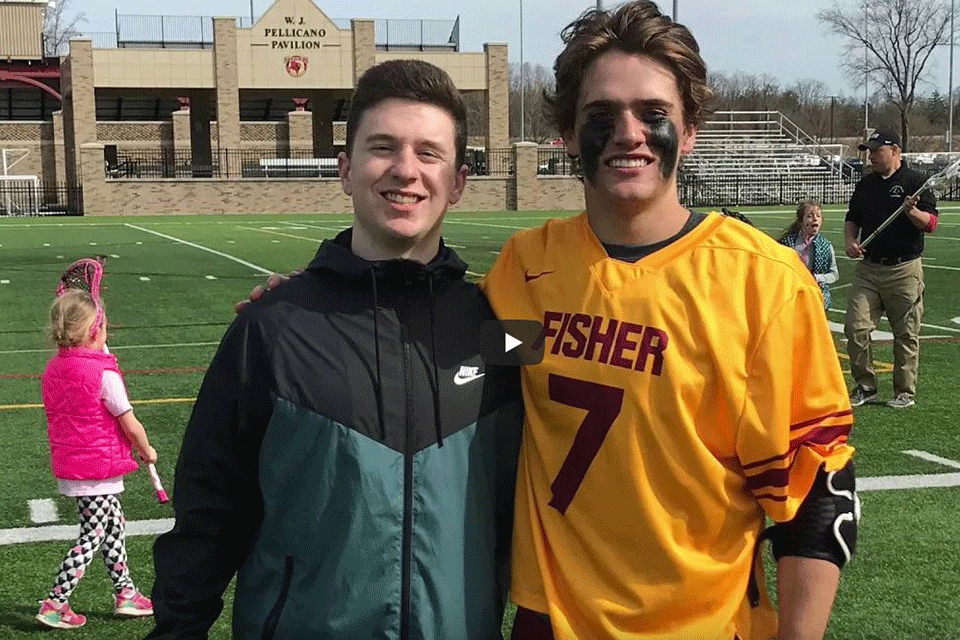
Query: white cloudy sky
779,37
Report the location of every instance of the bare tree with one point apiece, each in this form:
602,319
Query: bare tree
898,37
58,27
536,79
812,106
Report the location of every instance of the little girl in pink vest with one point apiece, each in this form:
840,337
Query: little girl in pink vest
91,428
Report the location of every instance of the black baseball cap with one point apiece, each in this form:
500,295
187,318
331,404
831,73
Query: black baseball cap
879,138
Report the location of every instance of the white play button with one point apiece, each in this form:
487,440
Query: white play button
510,343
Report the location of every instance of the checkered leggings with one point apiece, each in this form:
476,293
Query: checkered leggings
101,527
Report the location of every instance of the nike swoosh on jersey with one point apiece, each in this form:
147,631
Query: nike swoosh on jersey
461,380
533,276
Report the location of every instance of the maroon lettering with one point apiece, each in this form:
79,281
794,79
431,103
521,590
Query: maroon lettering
556,341
654,343
624,343
604,339
575,348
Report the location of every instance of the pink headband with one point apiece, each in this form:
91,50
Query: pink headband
84,274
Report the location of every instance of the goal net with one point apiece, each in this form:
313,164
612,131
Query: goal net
19,195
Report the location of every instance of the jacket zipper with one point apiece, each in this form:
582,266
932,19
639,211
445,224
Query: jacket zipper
406,558
273,618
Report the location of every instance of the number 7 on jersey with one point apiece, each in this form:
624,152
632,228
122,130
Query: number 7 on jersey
603,404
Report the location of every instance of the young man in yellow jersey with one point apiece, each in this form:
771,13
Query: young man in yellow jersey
689,388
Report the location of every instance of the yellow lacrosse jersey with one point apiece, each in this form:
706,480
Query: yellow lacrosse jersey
680,398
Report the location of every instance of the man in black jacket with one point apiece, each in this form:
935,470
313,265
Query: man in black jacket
349,457
890,276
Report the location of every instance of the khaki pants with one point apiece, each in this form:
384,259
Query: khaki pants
898,291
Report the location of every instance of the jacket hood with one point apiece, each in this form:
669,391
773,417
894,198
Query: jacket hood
337,257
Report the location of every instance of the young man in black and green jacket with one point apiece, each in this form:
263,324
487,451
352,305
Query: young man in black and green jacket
350,457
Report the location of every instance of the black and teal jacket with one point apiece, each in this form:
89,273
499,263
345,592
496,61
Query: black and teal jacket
351,459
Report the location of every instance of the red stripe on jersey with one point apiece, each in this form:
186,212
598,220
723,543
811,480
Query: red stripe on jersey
774,478
770,496
813,421
822,435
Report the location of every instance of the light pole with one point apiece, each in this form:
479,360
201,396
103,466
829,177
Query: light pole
950,98
866,70
833,101
522,86
674,10
251,14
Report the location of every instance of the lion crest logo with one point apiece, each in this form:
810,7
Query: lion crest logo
296,65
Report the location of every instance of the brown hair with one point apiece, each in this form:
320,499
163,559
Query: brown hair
634,28
409,80
72,315
794,227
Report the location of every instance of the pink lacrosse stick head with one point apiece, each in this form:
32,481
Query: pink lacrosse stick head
85,274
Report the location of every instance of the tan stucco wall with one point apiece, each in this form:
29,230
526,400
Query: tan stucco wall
154,68
468,70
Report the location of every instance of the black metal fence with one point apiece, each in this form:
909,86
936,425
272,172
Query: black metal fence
22,198
223,163
554,161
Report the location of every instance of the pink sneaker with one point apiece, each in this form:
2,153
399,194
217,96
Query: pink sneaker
132,603
59,616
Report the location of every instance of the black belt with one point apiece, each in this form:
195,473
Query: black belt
890,261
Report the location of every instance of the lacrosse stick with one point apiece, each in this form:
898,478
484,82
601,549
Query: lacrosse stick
85,275
937,182
155,479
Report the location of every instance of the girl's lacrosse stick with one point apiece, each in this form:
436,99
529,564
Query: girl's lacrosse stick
155,478
85,275
937,182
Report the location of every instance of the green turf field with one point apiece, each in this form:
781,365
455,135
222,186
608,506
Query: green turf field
170,290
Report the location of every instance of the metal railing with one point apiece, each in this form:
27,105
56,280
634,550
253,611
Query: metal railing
46,199
417,35
196,32
554,161
148,164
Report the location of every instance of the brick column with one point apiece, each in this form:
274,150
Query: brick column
300,132
364,47
96,201
58,147
228,83
79,107
498,101
525,175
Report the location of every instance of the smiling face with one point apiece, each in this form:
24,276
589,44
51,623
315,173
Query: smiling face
402,174
629,131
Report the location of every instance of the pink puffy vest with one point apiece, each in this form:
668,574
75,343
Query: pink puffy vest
86,441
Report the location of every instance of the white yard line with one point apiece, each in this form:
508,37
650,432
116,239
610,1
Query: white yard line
486,224
929,457
43,510
202,248
71,531
129,346
919,481
278,233
922,324
316,226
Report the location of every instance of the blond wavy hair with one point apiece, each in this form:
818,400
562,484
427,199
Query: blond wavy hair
72,315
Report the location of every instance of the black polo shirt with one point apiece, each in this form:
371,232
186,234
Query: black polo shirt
874,199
